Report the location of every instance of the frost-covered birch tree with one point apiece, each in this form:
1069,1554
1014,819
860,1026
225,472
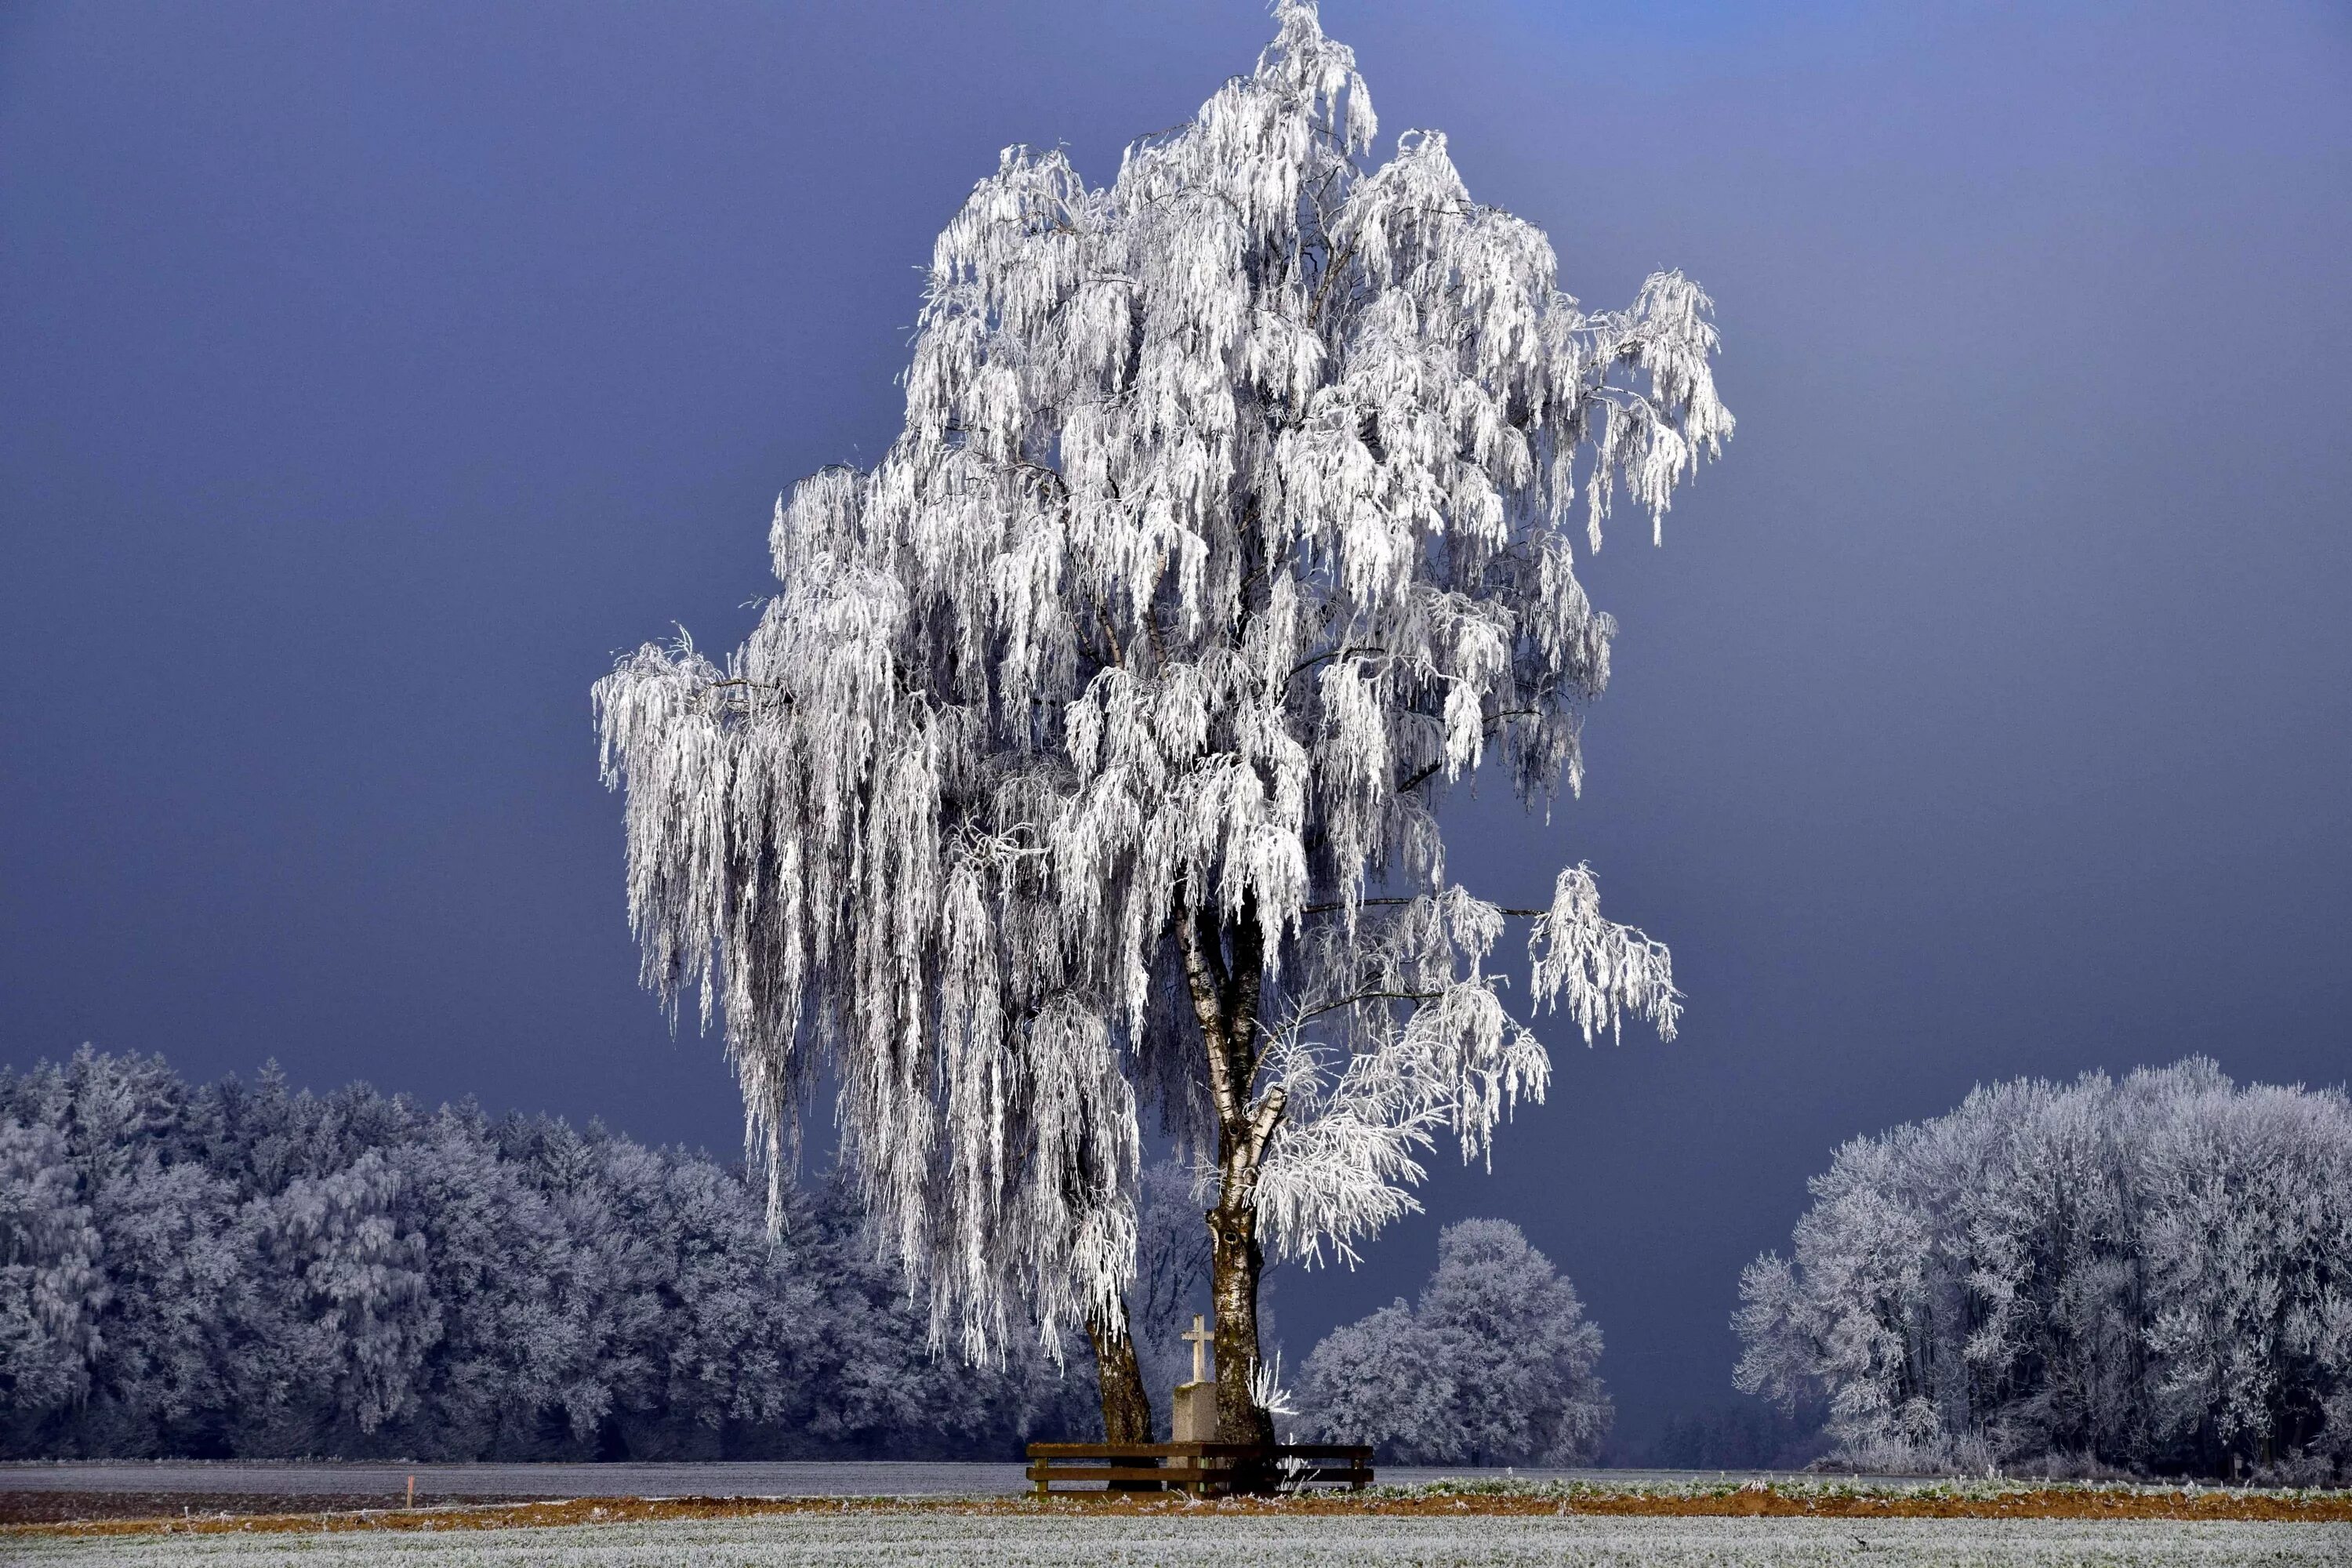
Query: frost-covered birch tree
1084,767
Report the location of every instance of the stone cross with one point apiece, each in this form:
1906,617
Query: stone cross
1200,1339
1194,1418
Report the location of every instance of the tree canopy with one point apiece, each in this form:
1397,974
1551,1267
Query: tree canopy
1084,767
1495,1366
2154,1273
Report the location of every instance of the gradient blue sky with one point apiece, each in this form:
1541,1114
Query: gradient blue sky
368,375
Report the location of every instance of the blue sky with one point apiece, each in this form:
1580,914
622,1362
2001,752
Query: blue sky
373,373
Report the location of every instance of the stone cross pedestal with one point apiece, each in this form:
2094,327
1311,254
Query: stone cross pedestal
1196,1401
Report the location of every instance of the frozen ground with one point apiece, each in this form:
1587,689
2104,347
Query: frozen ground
1341,1541
390,1478
446,1482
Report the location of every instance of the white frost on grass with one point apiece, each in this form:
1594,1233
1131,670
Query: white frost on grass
1208,1539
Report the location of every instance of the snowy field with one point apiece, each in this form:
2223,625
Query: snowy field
1242,1543
389,1478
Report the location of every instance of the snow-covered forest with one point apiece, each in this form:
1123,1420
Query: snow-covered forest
2152,1274
232,1269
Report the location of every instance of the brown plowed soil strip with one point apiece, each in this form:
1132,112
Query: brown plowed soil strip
2056,1502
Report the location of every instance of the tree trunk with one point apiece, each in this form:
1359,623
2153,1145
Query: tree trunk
1235,1261
1125,1408
1223,969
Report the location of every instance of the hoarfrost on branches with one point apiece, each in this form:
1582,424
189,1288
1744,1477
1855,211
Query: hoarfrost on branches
1086,762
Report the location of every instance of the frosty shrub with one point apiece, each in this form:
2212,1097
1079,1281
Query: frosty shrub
1495,1366
1085,764
234,1271
2149,1275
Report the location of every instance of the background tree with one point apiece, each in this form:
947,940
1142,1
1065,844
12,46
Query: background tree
1495,1366
2099,1276
1086,763
50,1287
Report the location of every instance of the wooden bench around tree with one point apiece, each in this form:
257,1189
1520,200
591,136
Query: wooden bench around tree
1203,1469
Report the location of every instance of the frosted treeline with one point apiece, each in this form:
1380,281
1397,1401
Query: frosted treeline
231,1269
1494,1366
2152,1274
